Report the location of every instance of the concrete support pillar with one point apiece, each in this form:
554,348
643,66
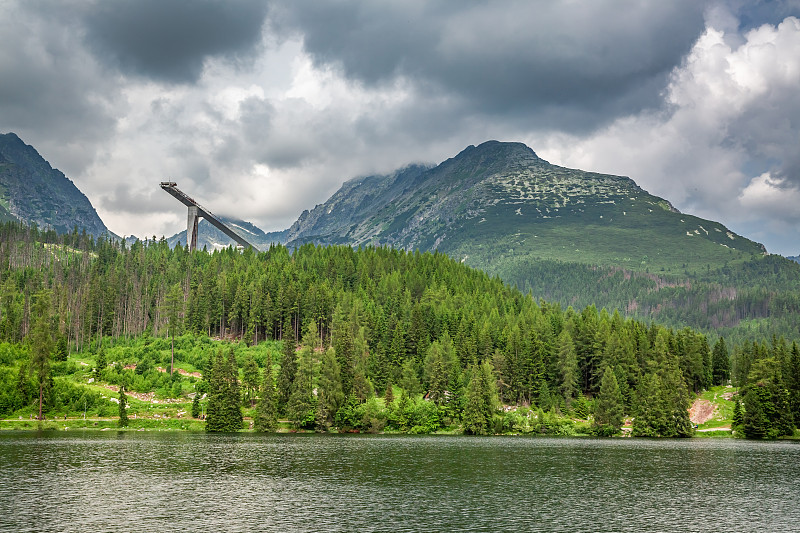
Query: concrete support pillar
191,228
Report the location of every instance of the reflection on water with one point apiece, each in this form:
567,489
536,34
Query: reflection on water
163,482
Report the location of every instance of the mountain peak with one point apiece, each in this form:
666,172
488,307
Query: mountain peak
499,200
34,192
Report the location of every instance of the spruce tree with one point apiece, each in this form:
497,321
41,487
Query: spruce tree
62,349
266,419
720,363
608,414
409,381
738,417
101,364
196,409
388,397
329,392
250,379
288,368
567,364
436,374
474,415
123,408
301,409
224,403
42,344
362,388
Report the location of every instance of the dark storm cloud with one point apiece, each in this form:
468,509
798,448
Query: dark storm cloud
168,39
556,63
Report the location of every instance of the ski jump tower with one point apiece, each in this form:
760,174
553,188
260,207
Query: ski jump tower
195,212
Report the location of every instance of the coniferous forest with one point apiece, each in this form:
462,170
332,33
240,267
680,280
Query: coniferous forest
332,338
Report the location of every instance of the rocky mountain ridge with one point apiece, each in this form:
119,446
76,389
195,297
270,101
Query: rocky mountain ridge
33,192
497,201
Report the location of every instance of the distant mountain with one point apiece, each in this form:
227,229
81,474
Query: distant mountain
213,239
497,204
795,258
33,192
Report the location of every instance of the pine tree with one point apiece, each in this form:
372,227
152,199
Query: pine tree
329,392
738,417
266,419
388,397
409,381
101,364
62,349
288,368
474,415
608,414
301,409
480,400
567,367
250,379
196,409
173,305
436,374
652,410
720,363
362,388
123,411
42,344
224,403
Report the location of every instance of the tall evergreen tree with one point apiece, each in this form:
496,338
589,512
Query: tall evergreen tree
173,306
409,381
329,392
42,344
266,419
224,403
196,409
288,368
123,408
301,409
608,414
720,363
567,364
251,380
480,400
767,411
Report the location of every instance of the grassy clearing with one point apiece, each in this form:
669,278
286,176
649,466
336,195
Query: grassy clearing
723,398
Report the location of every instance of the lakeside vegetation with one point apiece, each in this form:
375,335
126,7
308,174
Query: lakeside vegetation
331,338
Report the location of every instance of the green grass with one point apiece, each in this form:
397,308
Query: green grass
723,416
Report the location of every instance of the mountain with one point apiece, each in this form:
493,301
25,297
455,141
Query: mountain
33,192
213,239
496,204
570,236
795,258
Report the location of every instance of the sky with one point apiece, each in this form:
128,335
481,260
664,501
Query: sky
261,109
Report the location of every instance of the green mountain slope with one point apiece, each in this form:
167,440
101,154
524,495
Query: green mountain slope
499,203
33,192
571,236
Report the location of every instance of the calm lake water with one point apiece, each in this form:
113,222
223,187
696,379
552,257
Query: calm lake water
136,481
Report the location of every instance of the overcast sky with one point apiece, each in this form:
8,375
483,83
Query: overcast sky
261,109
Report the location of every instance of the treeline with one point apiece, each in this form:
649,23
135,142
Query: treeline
752,300
358,323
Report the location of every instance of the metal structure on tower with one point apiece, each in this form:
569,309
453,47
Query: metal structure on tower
195,212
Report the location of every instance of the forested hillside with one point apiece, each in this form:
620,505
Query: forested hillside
756,299
569,236
365,320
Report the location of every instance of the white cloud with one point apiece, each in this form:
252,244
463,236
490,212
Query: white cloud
730,126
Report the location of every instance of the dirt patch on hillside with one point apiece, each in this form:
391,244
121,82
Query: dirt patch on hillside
701,411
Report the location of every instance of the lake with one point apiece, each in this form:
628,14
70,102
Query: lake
162,482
